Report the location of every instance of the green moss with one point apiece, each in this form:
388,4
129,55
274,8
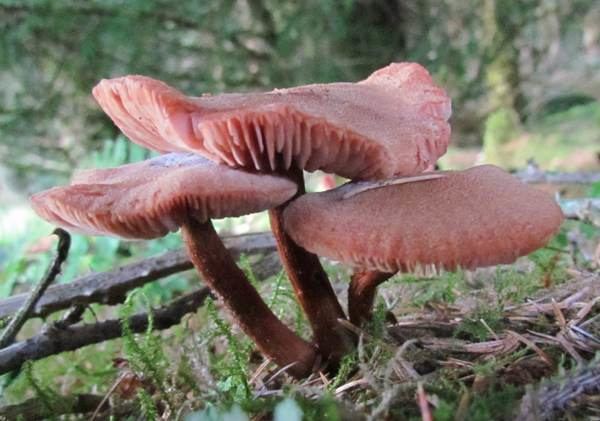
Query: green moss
501,126
145,355
348,366
496,404
563,140
326,408
473,327
86,369
513,285
230,368
147,405
441,289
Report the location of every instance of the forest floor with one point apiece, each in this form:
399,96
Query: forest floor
497,343
516,341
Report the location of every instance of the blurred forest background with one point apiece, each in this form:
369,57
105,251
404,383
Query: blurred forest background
511,66
524,76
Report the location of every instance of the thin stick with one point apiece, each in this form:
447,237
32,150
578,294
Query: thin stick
551,397
111,287
585,209
15,325
533,174
423,403
34,409
55,340
104,400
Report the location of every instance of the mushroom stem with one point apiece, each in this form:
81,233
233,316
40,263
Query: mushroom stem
311,285
361,294
230,284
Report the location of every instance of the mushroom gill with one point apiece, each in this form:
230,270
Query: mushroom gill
150,198
393,122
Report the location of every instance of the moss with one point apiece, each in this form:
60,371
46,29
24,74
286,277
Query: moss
348,366
477,325
496,404
228,357
564,140
230,368
325,408
501,127
441,289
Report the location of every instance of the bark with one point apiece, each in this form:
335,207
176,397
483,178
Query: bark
553,397
15,325
112,287
583,209
35,409
57,339
534,175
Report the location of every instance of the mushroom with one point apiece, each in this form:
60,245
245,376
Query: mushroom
478,217
395,122
392,123
148,199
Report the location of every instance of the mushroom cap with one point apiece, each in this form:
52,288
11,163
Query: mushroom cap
150,198
479,217
393,122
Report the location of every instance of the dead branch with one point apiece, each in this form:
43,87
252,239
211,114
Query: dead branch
15,325
534,175
556,396
572,301
56,339
584,209
111,287
35,409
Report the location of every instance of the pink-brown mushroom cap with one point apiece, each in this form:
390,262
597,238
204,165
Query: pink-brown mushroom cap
479,217
150,198
393,122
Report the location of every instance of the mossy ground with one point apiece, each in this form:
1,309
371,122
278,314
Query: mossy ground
565,139
475,341
465,337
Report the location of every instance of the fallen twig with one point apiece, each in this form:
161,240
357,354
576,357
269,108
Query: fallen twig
584,209
62,251
532,346
534,175
556,396
569,304
569,295
423,403
55,340
35,409
111,287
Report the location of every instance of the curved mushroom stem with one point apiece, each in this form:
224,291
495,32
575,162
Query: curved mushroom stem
230,284
361,294
311,285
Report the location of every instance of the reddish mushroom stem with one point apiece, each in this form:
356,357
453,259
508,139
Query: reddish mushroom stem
230,284
311,285
361,294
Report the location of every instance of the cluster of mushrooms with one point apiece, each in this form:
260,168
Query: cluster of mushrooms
235,154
